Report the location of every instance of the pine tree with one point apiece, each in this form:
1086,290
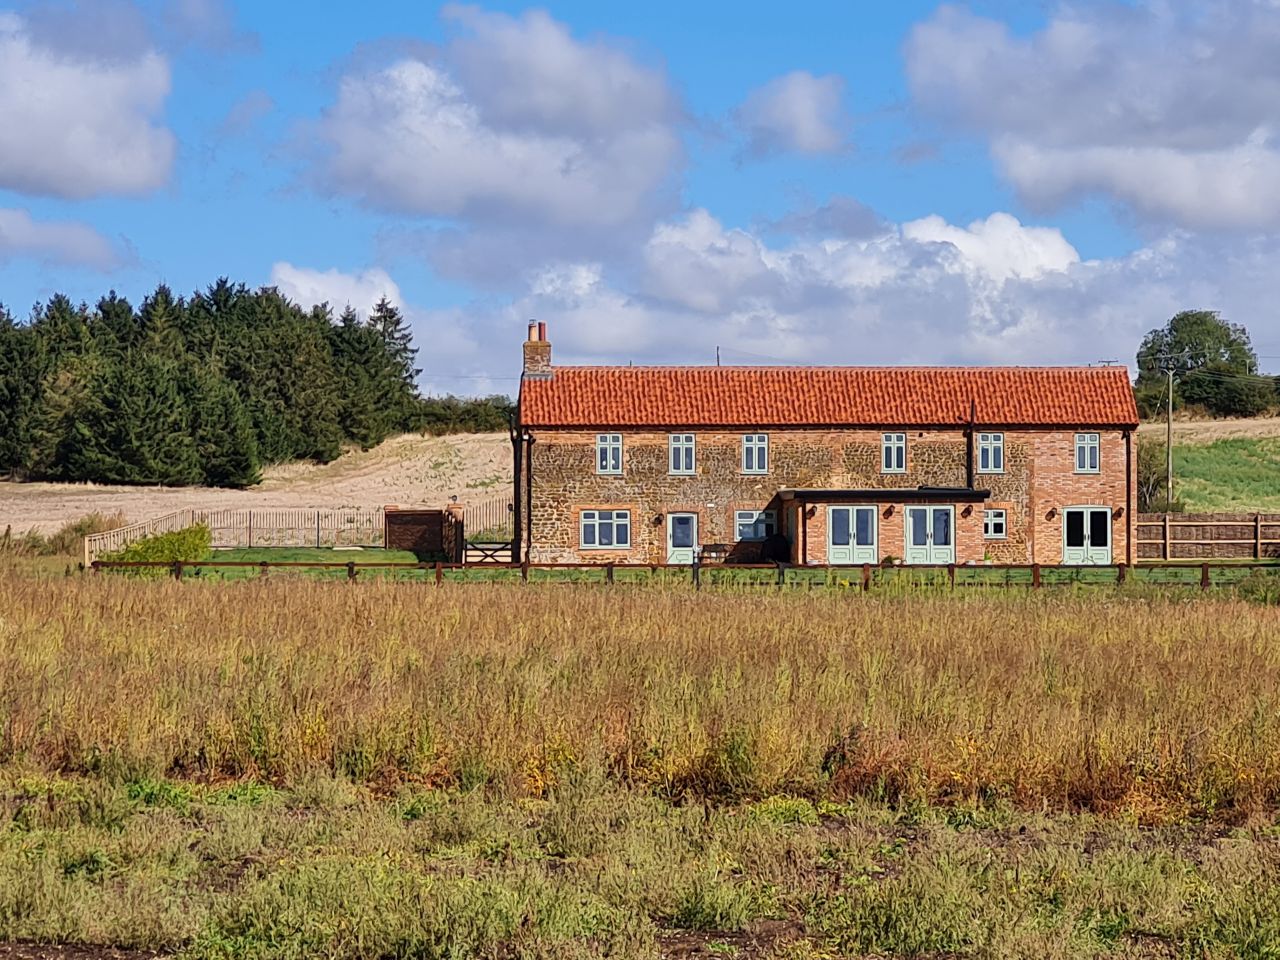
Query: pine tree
22,368
362,366
399,389
223,432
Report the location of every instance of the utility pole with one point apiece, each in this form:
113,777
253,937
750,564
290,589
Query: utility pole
1168,447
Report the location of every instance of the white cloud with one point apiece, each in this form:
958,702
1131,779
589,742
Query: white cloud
795,112
207,23
78,127
74,244
340,290
1170,108
515,124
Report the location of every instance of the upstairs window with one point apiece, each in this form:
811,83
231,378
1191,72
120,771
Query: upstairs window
605,530
609,453
991,453
995,524
680,448
1088,457
754,524
755,453
893,453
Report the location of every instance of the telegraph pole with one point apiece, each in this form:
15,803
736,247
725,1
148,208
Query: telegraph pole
1168,447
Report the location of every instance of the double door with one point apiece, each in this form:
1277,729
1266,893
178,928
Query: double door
1086,536
931,535
851,535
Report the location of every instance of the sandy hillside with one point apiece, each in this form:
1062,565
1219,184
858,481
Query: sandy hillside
406,470
1206,431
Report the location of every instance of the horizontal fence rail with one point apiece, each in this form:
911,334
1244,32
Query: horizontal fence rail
253,528
1208,536
1030,576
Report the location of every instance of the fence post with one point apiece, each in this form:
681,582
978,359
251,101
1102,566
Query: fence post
439,573
1035,576
866,577
1122,573
697,577
1168,546
951,575
177,569
608,573
782,574
97,567
1257,536
524,570
351,570
317,529
1204,576
263,567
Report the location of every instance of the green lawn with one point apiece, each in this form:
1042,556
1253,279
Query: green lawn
1235,474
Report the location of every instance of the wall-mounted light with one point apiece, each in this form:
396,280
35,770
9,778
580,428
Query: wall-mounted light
657,520
811,512
1119,512
967,511
1053,512
888,511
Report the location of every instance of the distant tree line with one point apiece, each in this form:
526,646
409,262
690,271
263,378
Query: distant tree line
1215,368
208,389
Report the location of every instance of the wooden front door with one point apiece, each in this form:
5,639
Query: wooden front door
682,537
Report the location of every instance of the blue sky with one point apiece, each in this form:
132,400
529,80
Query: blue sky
834,182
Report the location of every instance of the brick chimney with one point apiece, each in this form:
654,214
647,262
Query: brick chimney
537,352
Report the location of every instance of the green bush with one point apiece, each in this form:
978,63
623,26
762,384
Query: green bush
192,543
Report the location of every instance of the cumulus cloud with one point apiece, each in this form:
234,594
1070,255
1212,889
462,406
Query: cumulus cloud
513,125
64,243
1170,108
79,126
207,23
340,290
796,112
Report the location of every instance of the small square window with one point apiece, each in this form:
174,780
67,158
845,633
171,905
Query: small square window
605,530
609,453
754,524
1088,453
995,524
991,453
755,453
893,453
680,448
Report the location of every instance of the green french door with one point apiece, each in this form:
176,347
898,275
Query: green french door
851,535
931,535
1086,536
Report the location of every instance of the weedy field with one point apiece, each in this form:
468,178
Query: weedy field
301,768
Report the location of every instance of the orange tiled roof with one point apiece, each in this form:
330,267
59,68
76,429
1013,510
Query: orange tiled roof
855,396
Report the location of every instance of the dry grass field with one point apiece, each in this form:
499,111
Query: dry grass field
405,470
300,768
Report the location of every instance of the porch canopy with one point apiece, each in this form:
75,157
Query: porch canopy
886,495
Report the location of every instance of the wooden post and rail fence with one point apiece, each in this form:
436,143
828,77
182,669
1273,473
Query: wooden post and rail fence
1208,536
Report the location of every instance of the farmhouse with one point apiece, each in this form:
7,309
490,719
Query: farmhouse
823,465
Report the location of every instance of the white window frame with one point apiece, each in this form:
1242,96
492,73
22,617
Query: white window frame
1084,443
765,520
990,518
893,443
757,444
610,445
684,444
992,444
595,520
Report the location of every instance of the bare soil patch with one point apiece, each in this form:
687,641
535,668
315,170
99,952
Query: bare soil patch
405,470
1207,431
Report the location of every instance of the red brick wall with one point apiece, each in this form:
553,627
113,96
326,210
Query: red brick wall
1039,476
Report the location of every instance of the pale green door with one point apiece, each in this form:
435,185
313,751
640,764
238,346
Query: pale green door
1086,536
682,537
930,535
851,535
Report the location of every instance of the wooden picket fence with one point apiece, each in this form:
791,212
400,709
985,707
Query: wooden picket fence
254,528
489,520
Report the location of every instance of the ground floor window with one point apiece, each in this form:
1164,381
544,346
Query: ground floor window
605,529
754,524
995,524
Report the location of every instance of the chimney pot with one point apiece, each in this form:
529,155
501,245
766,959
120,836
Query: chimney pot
533,330
537,352
542,330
